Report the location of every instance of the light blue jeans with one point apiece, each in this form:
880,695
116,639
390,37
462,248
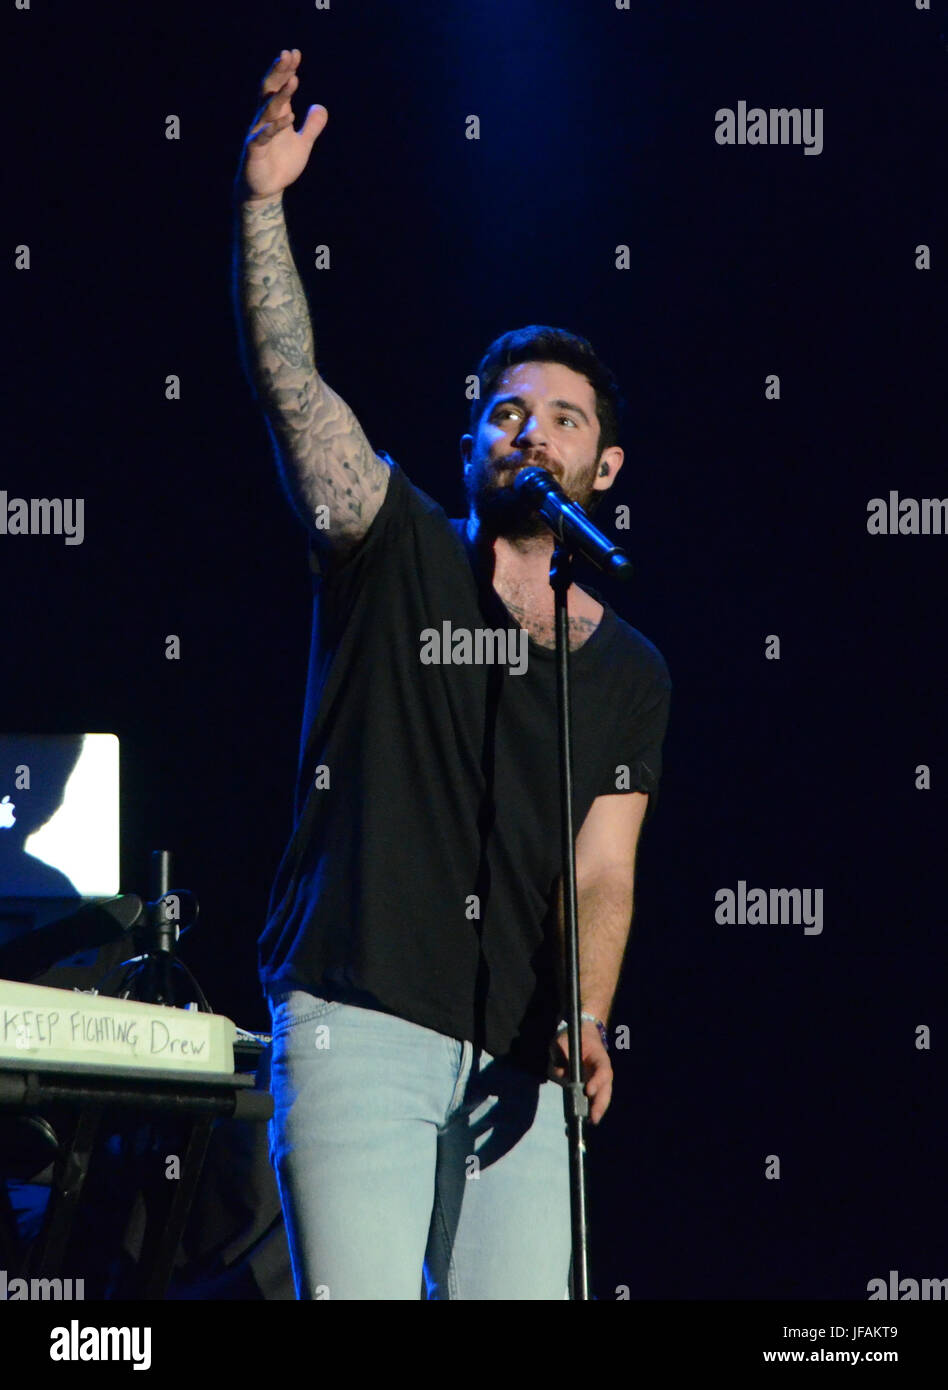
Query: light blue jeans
405,1171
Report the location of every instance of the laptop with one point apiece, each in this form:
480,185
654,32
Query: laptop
59,826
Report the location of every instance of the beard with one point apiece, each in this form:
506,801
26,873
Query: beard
503,512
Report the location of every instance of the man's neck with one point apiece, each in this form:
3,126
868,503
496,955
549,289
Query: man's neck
521,562
519,571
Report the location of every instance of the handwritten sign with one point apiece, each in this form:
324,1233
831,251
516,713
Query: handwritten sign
58,1025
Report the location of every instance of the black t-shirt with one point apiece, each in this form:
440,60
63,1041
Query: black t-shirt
420,877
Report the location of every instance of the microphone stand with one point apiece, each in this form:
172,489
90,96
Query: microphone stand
572,529
149,977
575,1101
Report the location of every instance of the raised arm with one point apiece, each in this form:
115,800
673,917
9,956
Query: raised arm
332,476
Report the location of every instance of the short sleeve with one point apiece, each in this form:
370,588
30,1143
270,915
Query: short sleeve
636,763
388,520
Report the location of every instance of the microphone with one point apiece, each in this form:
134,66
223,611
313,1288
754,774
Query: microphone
568,522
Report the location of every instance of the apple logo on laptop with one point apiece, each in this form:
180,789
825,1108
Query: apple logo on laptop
7,817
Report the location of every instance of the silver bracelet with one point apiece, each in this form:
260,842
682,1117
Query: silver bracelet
590,1018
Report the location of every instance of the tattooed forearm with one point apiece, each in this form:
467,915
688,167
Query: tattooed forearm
276,314
324,456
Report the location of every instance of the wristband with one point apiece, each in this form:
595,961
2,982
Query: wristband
590,1018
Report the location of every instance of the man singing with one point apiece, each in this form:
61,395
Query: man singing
413,953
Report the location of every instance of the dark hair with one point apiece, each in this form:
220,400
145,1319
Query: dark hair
540,343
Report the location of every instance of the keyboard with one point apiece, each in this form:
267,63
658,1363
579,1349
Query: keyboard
46,1026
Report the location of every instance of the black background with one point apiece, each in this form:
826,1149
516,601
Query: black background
748,519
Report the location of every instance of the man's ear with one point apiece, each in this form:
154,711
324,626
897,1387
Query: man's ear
610,461
467,444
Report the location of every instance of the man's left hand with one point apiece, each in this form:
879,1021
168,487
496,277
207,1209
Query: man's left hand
597,1068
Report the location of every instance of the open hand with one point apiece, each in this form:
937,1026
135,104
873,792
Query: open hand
274,153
